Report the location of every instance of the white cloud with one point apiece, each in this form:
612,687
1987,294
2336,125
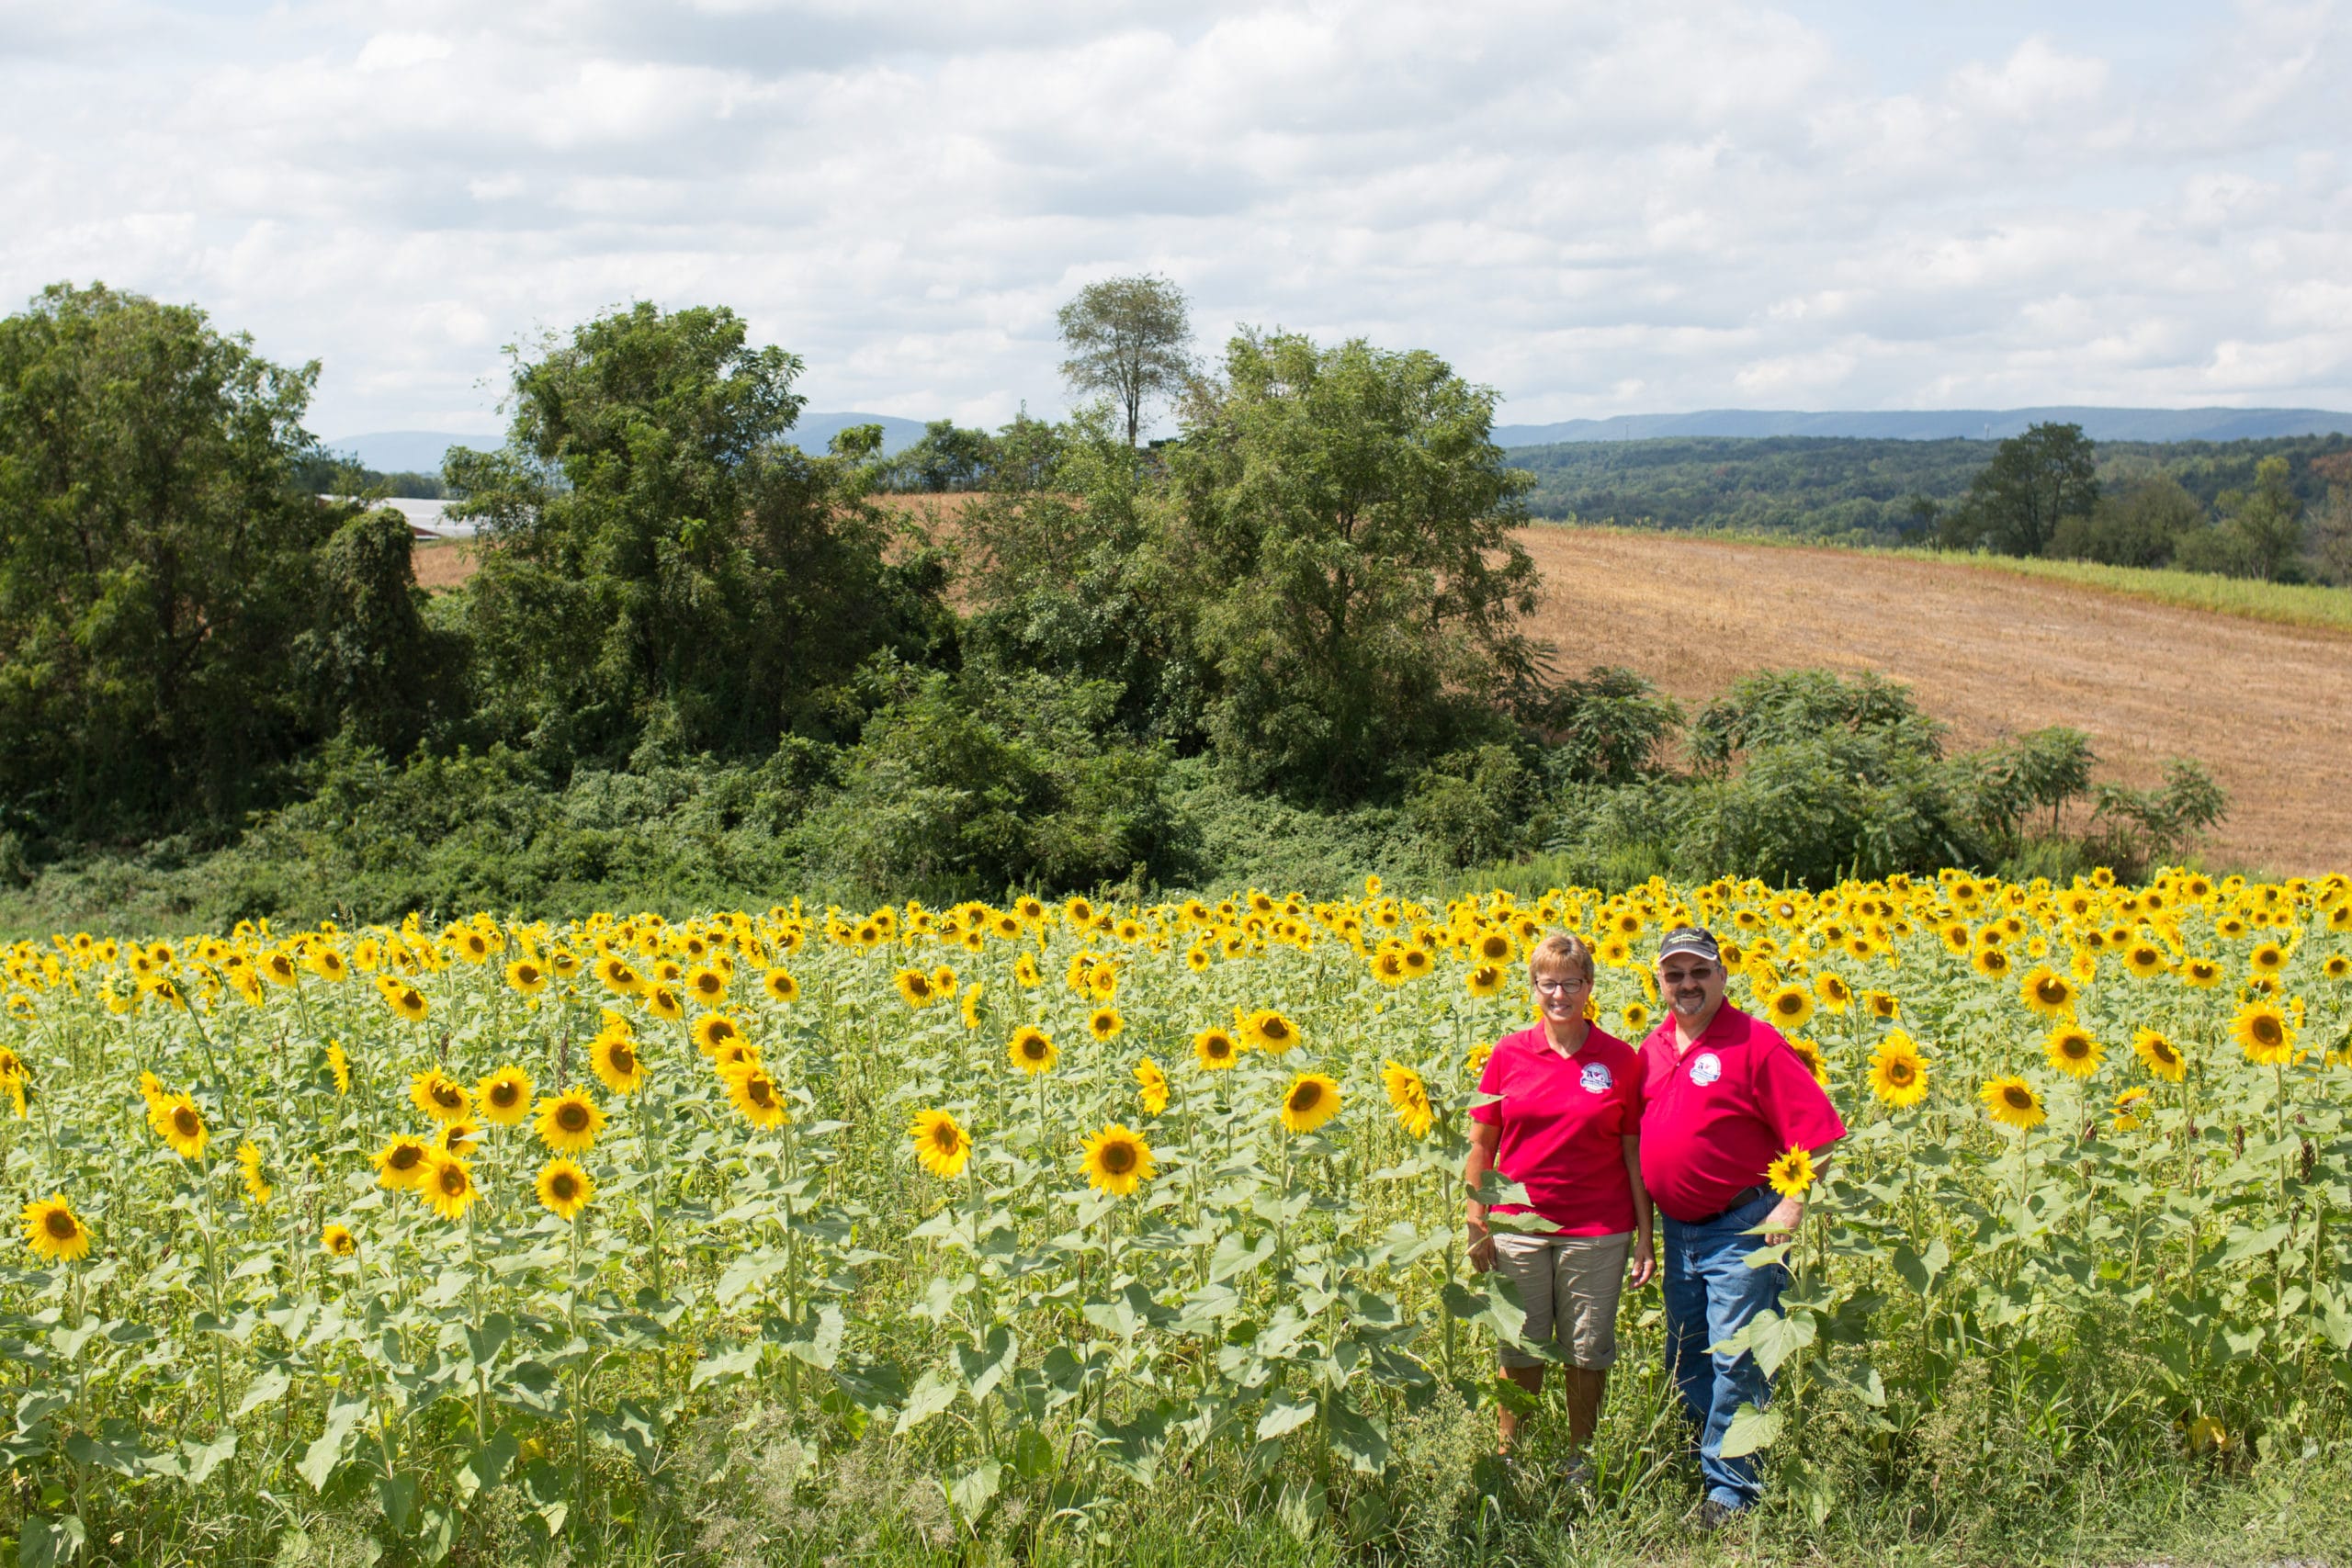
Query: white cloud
1598,208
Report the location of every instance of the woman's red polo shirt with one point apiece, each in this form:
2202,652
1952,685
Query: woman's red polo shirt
1562,1120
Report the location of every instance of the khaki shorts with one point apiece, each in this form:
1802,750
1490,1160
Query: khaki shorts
1569,1285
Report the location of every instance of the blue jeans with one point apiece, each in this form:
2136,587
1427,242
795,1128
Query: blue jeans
1710,1294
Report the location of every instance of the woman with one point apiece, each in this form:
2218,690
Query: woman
1565,1123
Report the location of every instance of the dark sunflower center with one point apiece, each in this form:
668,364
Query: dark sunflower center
622,1059
2053,991
1898,1073
2076,1047
185,1123
2018,1099
1304,1098
564,1188
446,1096
2265,1029
504,1095
572,1116
405,1156
1118,1158
453,1180
61,1225
762,1093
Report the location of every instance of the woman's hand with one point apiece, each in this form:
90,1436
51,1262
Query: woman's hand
1482,1249
1645,1260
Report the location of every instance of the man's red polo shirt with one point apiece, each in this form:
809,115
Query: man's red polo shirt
1713,1120
1564,1122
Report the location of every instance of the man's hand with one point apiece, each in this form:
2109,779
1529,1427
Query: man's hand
1780,1224
1645,1261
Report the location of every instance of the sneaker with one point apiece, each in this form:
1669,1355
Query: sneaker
1713,1515
1576,1474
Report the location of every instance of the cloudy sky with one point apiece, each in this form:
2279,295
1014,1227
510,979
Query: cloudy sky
1596,208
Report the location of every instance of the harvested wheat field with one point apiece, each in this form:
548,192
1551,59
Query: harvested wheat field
2267,706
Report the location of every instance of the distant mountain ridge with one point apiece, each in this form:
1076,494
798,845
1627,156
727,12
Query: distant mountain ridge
420,451
1940,424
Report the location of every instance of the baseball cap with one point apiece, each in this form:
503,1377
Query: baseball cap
1691,938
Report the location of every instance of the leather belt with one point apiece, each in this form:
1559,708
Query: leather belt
1745,1198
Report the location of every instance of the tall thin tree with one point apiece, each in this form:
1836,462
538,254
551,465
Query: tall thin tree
1127,338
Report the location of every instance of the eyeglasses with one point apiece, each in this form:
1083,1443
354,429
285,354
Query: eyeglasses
1555,987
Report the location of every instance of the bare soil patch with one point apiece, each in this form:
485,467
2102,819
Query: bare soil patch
2267,706
443,563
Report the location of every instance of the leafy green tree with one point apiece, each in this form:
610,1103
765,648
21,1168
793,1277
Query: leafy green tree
1070,570
2138,524
2033,483
945,458
379,664
661,564
156,559
1346,528
1128,340
2332,523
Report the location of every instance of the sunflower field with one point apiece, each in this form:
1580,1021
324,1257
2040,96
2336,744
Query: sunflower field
510,1238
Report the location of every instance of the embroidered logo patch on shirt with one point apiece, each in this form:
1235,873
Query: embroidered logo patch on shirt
1706,1069
1596,1078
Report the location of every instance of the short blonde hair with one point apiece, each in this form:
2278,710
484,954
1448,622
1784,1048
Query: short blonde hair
1559,950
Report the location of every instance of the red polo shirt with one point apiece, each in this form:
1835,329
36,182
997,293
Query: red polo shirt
1715,1118
1562,1120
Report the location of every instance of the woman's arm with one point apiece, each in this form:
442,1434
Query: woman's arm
1644,1249
1485,1138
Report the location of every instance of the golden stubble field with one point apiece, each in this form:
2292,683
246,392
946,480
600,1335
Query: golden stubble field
2267,706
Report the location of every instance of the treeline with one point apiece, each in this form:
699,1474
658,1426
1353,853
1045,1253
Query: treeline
2270,508
698,663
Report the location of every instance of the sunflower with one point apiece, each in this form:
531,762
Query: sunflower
969,1008
1418,963
915,988
714,1032
449,1186
1809,1052
1197,958
340,1065
400,1164
439,1096
1410,1097
2128,1106
740,1056
2160,1055
1898,1078
708,987
2144,960
180,1125
1793,1173
459,1138
1031,1050
1311,1100
2048,993
780,986
2267,958
1117,1161
1493,947
1388,966
257,1187
1637,1017
1882,1006
1216,1049
407,1001
2337,966
1991,962
1024,970
1152,1087
2012,1102
2073,1051
504,1097
2264,1033
1270,1032
337,1241
753,1092
614,1059
942,1147
568,1123
1834,994
662,1002
1788,1006
54,1231
564,1189
2200,973
617,977
526,977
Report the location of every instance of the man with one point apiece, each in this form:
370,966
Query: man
1723,1095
